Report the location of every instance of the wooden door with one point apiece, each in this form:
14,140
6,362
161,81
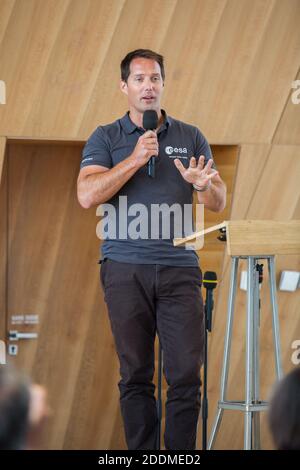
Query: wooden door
52,274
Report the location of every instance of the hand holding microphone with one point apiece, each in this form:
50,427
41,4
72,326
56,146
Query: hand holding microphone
146,148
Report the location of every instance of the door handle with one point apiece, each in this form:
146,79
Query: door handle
15,335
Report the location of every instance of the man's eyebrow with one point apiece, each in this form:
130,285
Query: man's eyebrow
142,74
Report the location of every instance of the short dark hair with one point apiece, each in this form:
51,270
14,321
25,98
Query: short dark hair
14,408
144,53
284,413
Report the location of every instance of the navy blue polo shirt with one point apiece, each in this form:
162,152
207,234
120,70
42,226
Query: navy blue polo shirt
140,236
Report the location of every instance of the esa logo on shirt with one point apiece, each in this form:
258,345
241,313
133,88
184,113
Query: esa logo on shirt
170,150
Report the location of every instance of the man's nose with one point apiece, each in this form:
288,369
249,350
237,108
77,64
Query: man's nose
148,84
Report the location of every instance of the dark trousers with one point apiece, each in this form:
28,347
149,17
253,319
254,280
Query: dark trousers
141,300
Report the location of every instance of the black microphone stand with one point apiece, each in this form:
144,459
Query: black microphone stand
159,402
209,305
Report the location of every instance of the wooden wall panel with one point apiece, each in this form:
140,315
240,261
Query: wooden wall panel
229,63
288,130
80,47
252,161
212,72
2,154
278,191
25,50
106,102
6,10
3,236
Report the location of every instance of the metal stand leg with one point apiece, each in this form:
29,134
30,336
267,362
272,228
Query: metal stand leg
227,347
276,334
252,406
249,355
256,369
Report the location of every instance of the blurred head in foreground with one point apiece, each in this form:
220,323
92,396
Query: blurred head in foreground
284,413
23,408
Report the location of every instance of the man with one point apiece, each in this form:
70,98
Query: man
149,284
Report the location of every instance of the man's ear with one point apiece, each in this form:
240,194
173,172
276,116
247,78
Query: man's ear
123,87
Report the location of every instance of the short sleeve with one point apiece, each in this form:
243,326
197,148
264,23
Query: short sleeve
203,148
96,150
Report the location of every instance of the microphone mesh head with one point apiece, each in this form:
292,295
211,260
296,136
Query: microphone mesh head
210,280
150,120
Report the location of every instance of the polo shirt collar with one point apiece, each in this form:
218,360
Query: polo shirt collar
129,126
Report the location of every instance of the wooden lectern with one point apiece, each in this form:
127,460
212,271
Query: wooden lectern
252,240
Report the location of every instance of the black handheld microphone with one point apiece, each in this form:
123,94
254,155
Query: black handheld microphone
150,123
209,282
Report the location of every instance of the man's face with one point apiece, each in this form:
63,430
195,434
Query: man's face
144,86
